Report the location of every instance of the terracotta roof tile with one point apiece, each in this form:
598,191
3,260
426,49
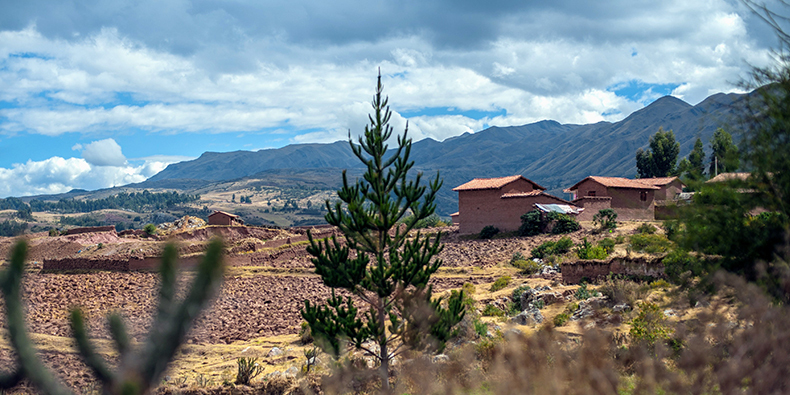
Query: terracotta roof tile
616,182
658,180
492,183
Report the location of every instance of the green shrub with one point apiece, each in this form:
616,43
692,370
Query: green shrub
150,229
539,304
531,224
500,283
619,239
527,267
571,308
561,318
680,261
248,369
543,250
582,293
563,223
605,219
516,296
468,301
517,256
53,232
650,325
432,221
651,244
585,250
607,244
488,232
563,246
481,328
492,311
646,228
661,283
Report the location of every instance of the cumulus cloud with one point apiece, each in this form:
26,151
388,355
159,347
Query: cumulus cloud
59,175
104,153
175,66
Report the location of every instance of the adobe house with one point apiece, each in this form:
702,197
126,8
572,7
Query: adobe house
223,218
499,202
630,199
670,187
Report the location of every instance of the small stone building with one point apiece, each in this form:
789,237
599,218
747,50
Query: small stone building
499,202
223,218
630,199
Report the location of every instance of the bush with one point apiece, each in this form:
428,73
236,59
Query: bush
150,229
661,283
488,232
561,318
651,244
248,369
468,301
646,228
517,256
585,250
432,221
531,224
500,283
605,219
481,328
680,261
619,239
582,293
563,246
563,223
516,296
607,244
649,325
305,336
528,266
622,291
492,311
543,250
53,232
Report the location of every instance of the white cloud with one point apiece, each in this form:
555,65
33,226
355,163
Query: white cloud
59,175
104,153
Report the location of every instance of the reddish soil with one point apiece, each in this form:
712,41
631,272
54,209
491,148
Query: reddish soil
252,304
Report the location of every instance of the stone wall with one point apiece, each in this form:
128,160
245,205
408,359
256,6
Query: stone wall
594,270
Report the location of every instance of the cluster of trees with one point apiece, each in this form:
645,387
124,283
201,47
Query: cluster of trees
661,157
12,228
135,201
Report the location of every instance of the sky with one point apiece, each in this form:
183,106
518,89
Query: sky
97,93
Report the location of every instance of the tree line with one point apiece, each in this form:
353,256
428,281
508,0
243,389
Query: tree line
135,201
661,157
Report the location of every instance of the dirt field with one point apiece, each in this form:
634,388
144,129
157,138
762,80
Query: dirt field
257,308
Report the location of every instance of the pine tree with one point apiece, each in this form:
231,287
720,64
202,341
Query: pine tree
724,157
389,271
697,160
660,160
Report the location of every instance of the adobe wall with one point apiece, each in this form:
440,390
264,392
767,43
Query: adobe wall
629,206
591,205
133,263
595,270
482,208
90,229
669,191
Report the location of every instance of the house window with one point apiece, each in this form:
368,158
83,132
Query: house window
590,193
643,196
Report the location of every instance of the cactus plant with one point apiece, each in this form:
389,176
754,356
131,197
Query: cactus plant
140,369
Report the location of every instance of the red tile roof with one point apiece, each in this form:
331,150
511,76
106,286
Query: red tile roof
492,183
223,213
616,182
658,180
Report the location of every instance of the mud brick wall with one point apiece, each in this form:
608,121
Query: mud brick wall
91,229
133,263
594,270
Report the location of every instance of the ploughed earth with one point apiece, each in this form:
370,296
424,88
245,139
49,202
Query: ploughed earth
257,308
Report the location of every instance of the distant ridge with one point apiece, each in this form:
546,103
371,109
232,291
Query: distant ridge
552,154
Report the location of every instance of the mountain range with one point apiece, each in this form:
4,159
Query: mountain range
552,154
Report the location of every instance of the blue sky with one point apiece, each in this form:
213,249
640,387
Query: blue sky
92,97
